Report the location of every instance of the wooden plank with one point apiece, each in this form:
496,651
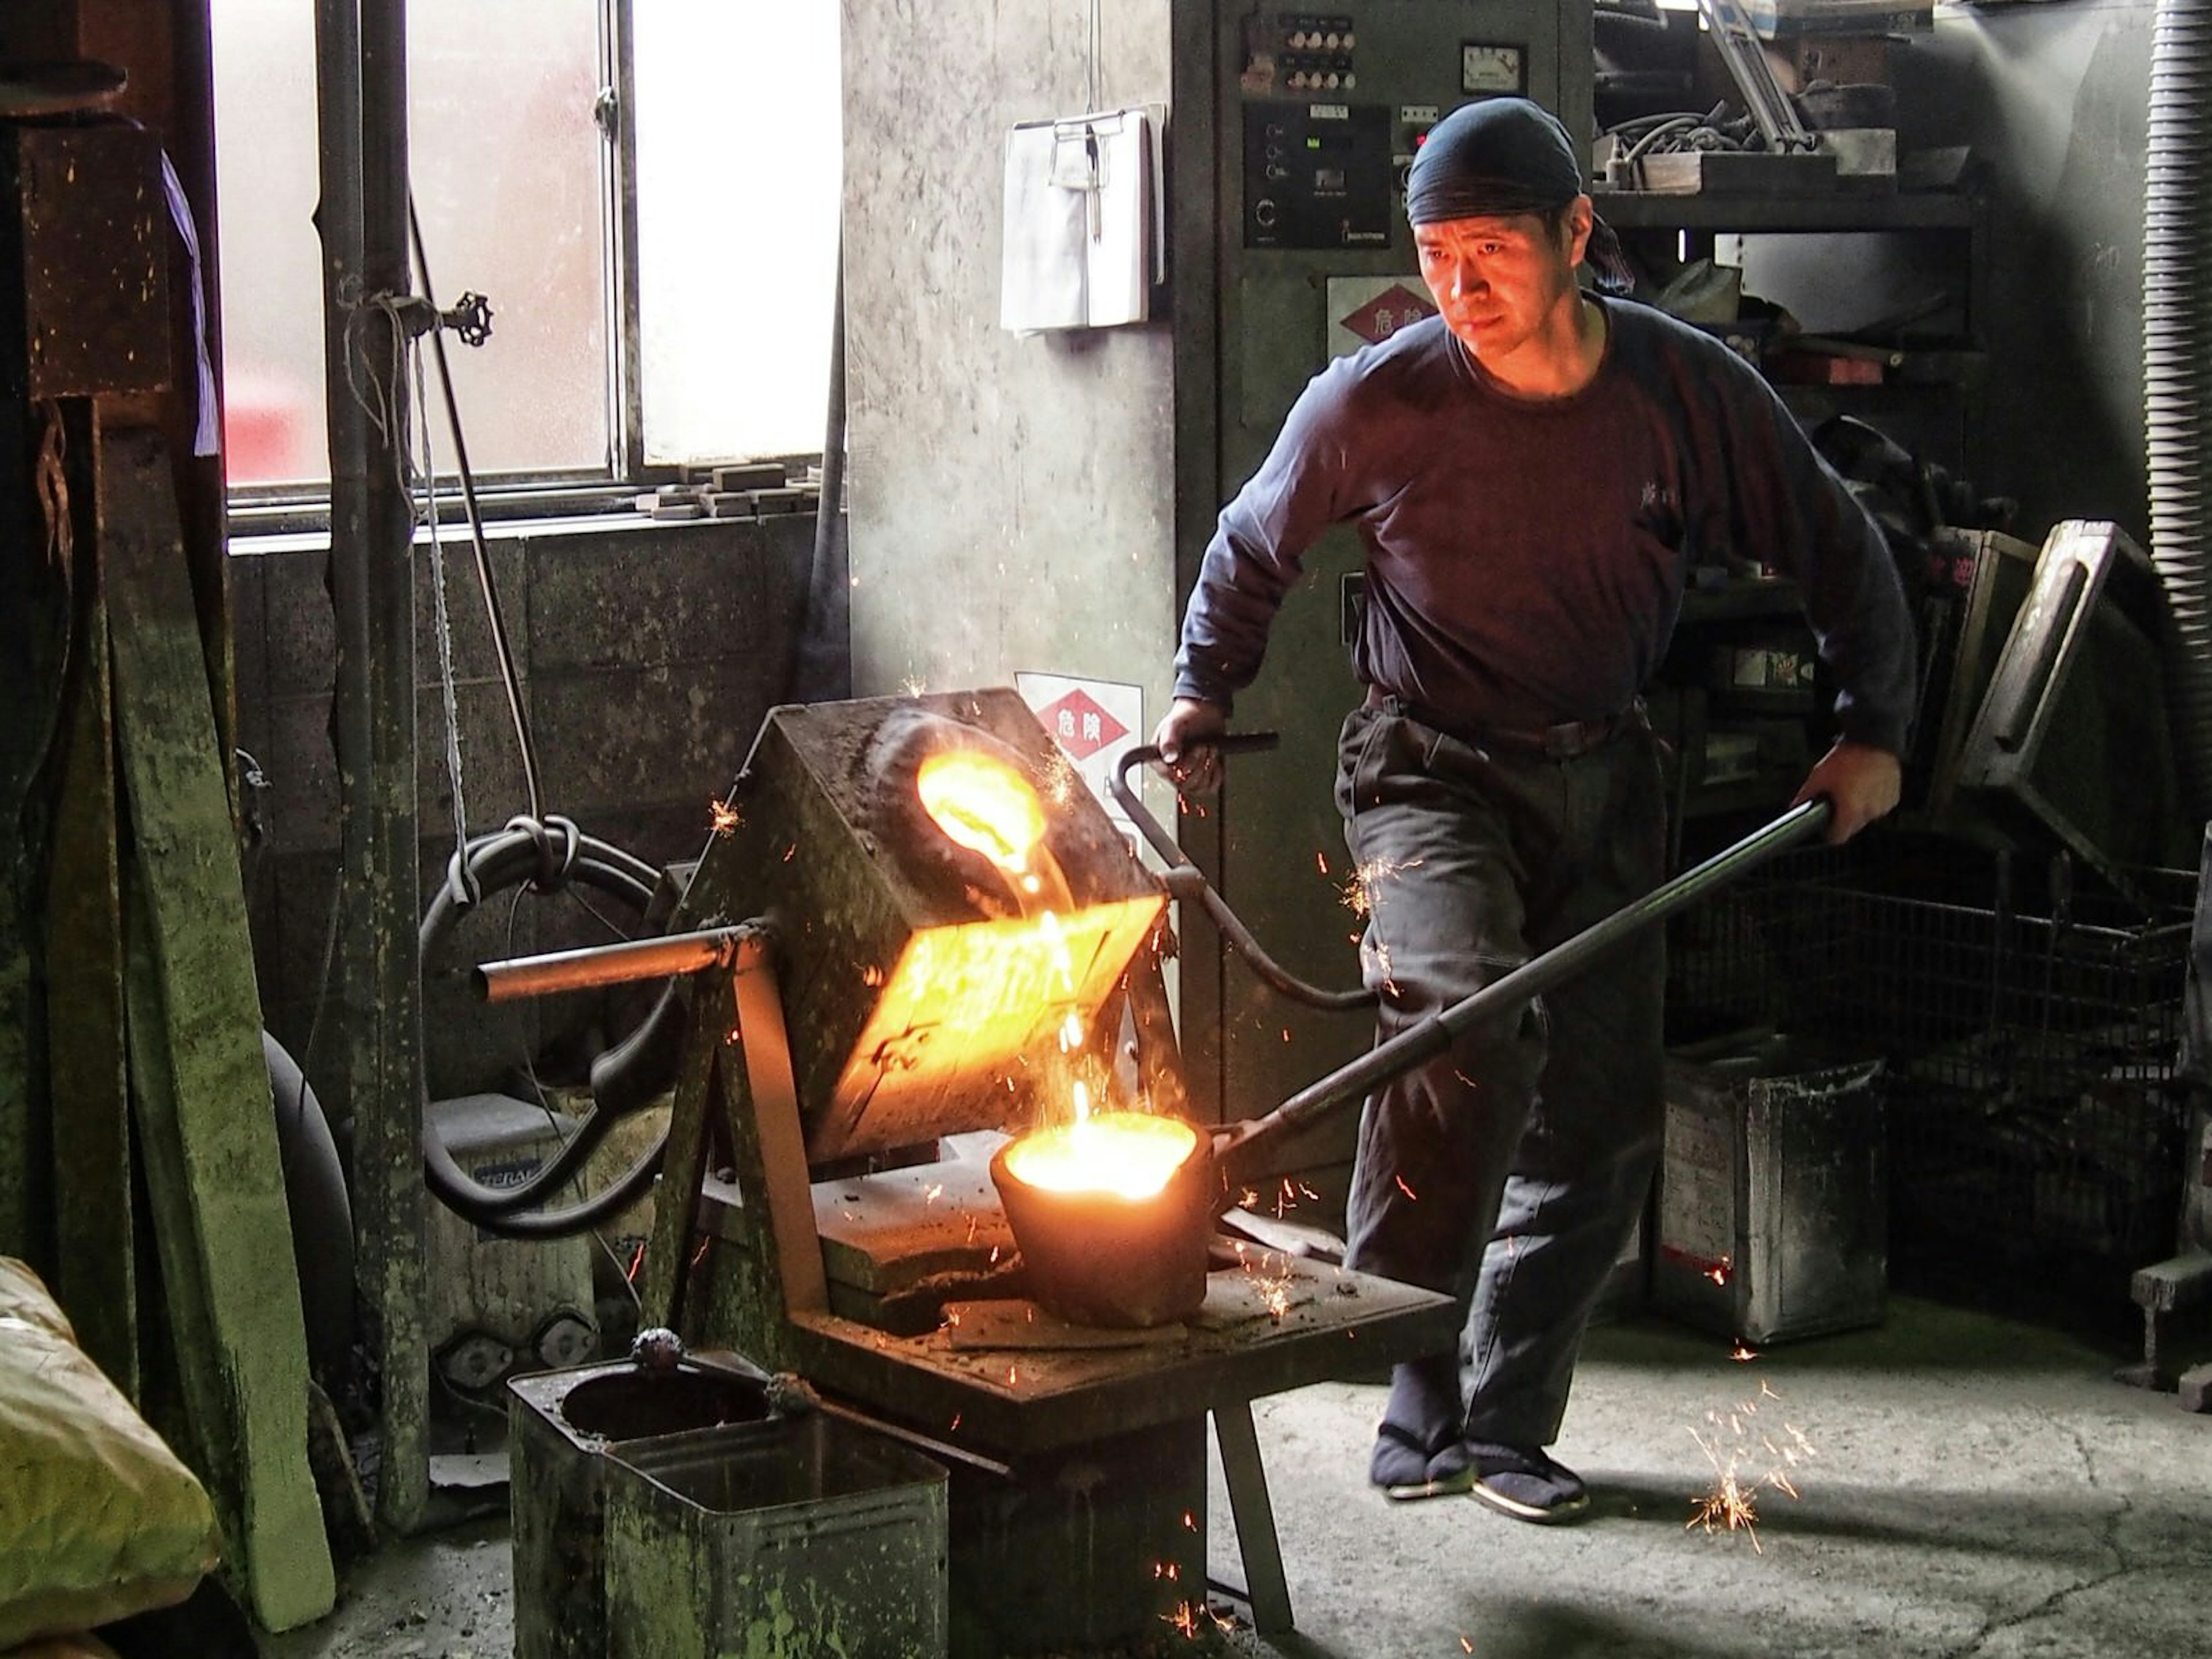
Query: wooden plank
34,629
96,1276
210,1134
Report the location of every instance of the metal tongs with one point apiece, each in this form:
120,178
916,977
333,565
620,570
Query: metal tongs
1238,1147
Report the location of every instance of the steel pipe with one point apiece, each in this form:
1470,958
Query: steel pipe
1434,1035
597,965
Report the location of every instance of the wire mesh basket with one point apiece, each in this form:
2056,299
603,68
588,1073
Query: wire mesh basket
2031,1028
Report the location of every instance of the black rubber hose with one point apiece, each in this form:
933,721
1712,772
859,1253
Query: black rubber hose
542,857
2176,353
321,1214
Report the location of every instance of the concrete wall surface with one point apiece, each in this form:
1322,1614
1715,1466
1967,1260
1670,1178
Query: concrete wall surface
647,655
1010,498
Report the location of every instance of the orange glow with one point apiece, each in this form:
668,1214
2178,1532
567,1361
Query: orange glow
984,804
971,999
1129,1155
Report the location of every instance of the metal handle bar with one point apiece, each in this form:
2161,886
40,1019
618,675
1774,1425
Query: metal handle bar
1436,1034
1185,881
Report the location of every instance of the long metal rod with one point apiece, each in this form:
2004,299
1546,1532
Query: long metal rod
1434,1035
338,221
1186,883
596,965
387,1133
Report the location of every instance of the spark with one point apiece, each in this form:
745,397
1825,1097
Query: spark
1733,1502
872,975
730,1038
971,1230
1185,1619
1466,1646
790,852
933,1195
994,1256
1013,1376
913,685
1286,1034
1743,1351
1720,1271
726,817
1189,1522
1359,895
636,1261
1321,861
1404,1188
956,1424
1247,1198
953,1319
700,1254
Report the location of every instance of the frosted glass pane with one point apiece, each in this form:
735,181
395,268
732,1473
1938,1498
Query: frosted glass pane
271,261
739,165
507,163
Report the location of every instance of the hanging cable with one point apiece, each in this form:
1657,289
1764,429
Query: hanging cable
535,851
501,651
448,698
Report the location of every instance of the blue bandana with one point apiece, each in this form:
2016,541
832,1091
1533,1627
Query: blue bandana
1503,156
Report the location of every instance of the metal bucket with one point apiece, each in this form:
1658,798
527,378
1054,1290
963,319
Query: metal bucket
1096,1258
560,1427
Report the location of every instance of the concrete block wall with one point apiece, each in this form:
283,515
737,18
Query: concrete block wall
647,654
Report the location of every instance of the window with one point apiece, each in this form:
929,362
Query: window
739,143
694,325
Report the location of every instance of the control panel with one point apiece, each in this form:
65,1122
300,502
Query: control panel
1317,175
1313,50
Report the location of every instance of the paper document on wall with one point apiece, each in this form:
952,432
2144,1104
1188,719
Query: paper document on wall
1079,230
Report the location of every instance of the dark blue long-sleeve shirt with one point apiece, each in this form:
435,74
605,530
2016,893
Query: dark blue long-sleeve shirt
1526,560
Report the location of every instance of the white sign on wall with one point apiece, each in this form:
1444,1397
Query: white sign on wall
1095,722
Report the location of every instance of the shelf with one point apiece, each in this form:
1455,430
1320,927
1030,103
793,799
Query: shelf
1841,211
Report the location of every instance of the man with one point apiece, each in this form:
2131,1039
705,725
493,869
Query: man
1532,472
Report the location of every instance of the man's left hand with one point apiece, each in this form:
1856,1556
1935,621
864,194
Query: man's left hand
1862,783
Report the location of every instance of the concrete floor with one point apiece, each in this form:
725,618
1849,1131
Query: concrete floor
1974,1486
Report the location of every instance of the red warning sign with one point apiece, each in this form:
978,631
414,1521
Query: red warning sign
1395,307
1079,725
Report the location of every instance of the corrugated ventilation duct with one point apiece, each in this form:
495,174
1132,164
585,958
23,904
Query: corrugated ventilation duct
2177,360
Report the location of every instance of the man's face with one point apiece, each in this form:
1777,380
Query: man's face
1497,279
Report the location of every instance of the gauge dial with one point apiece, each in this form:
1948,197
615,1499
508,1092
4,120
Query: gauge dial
1488,68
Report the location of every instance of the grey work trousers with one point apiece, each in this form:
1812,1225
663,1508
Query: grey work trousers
1509,1171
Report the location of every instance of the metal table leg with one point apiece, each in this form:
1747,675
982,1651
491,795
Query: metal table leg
1267,1593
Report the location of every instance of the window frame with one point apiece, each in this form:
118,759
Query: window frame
550,492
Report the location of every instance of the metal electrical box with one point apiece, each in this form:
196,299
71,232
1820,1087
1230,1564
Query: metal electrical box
496,1304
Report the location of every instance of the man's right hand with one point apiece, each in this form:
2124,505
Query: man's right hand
1188,756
